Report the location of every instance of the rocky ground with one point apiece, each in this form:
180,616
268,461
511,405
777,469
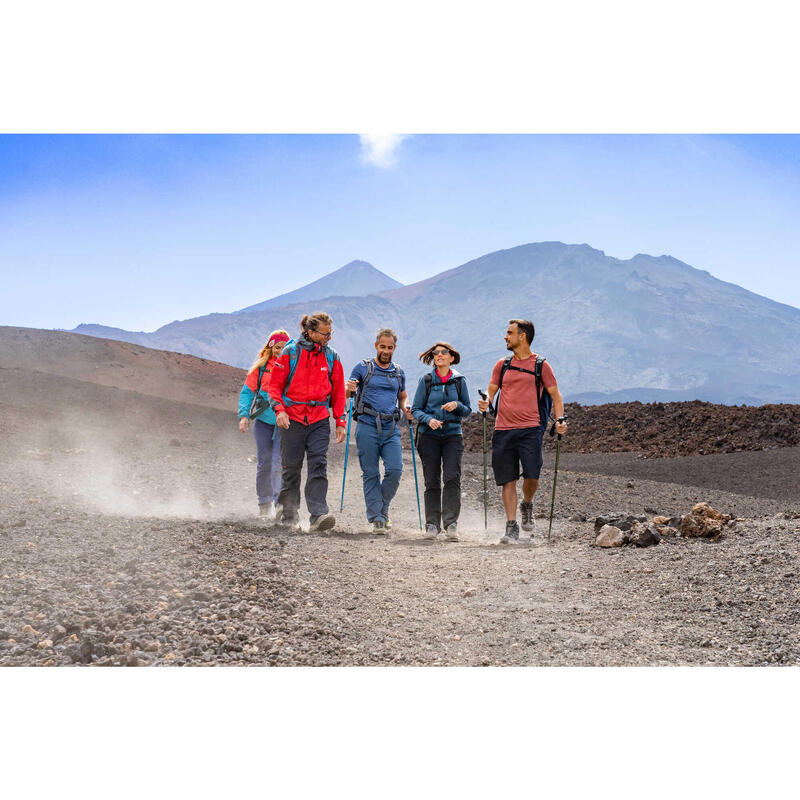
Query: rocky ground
127,537
660,430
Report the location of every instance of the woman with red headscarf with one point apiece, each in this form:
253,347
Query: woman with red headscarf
266,432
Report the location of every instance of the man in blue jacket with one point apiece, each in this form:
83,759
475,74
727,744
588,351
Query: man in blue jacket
380,400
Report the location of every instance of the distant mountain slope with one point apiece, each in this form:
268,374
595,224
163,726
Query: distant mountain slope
643,328
173,376
106,332
356,279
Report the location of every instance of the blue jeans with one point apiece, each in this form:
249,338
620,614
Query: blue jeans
268,471
372,447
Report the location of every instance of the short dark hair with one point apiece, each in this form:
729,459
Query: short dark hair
524,326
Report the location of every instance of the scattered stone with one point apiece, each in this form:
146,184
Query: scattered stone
85,650
660,520
469,592
174,442
619,519
578,518
643,535
703,521
611,536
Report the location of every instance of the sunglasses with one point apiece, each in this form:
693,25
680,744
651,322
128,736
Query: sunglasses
441,352
324,335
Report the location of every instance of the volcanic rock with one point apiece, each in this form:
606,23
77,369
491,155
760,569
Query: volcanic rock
644,535
611,536
619,519
704,521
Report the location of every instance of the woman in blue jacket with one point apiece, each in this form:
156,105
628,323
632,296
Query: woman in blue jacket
440,403
266,432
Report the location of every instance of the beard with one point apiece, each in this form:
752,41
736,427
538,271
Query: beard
509,346
384,358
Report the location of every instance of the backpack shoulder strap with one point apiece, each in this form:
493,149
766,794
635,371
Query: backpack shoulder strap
331,355
537,372
503,370
428,384
399,375
359,404
291,348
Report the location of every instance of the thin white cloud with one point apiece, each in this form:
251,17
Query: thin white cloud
380,150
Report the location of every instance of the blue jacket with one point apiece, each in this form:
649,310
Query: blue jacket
249,392
441,394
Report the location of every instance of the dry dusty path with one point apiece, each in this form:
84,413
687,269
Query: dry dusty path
136,544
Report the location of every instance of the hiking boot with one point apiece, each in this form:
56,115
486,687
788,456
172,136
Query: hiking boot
388,524
431,531
321,522
379,527
266,510
527,517
512,533
451,532
287,520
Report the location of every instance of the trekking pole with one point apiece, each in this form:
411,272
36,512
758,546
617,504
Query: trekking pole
346,449
555,476
484,396
414,462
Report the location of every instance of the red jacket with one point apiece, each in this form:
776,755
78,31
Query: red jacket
311,381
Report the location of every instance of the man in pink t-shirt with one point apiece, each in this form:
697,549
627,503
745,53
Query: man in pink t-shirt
517,438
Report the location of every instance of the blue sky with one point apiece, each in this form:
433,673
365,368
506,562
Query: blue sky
136,231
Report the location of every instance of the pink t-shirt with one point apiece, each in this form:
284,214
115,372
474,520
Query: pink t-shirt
518,405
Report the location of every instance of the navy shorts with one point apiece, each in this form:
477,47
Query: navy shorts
513,447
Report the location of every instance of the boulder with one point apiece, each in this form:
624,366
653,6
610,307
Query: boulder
619,519
643,535
704,521
611,536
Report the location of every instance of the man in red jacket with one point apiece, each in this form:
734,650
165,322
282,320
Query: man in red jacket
301,408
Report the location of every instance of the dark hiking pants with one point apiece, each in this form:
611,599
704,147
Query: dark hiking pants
441,469
312,442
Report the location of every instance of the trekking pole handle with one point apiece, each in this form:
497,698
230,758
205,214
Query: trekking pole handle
484,396
559,421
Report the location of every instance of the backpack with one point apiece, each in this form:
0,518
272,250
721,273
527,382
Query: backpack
260,403
543,396
291,348
359,407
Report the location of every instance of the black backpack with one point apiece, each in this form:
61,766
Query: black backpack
544,399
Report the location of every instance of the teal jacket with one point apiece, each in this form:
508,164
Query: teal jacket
454,389
249,392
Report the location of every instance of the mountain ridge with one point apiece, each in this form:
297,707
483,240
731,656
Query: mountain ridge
610,327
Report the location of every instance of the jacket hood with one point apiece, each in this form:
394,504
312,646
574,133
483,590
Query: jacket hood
454,372
307,344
